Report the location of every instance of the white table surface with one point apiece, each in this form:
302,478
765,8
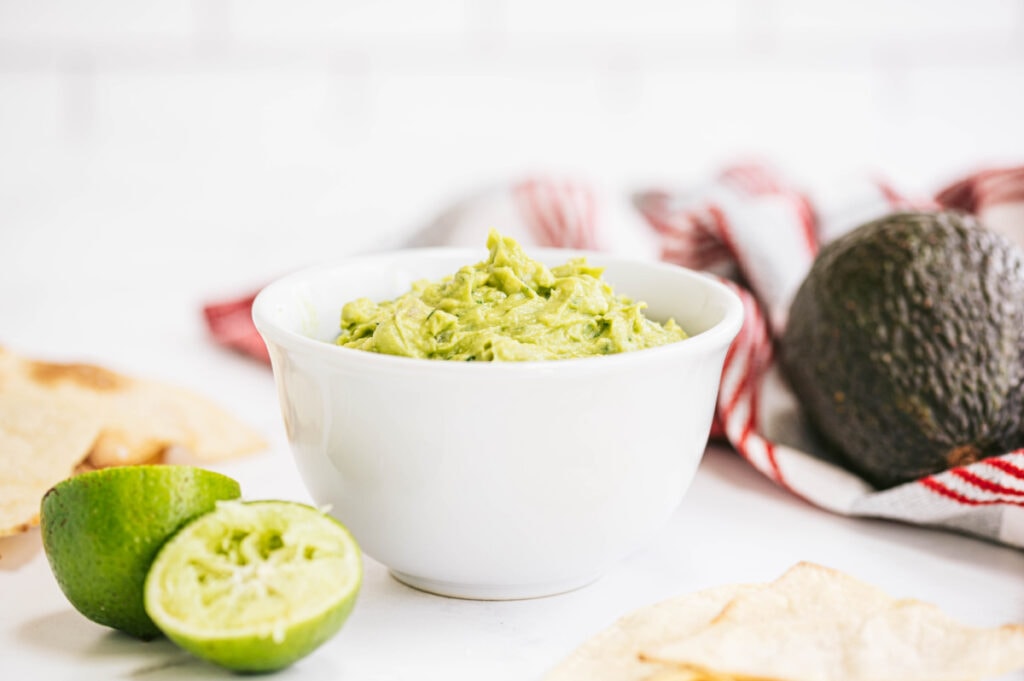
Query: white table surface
143,317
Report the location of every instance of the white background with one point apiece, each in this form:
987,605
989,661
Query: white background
157,155
265,135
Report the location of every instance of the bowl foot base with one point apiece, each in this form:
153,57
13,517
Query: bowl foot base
491,592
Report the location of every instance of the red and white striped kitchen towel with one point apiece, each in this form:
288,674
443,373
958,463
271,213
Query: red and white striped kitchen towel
760,234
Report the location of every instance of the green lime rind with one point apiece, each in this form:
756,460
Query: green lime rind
255,586
101,531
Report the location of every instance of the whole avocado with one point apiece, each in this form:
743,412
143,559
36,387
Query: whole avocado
905,345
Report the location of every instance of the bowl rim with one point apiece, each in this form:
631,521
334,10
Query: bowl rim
721,334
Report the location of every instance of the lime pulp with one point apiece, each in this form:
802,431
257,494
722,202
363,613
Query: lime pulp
255,586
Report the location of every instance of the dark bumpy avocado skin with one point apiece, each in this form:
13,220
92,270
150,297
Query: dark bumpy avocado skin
905,345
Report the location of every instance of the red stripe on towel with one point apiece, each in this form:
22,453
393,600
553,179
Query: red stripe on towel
1005,466
983,484
230,323
939,488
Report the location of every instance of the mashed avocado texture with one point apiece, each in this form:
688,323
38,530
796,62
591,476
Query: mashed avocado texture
508,307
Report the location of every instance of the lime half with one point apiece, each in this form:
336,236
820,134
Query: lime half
255,586
102,529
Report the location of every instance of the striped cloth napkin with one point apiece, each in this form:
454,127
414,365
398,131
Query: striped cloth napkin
760,234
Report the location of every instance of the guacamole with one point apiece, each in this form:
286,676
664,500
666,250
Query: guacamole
509,308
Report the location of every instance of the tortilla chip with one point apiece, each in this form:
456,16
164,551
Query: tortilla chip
817,624
58,419
40,445
613,654
811,624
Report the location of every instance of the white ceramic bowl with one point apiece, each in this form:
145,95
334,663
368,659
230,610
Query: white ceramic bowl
495,480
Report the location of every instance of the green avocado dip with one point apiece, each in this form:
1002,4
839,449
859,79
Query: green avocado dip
509,308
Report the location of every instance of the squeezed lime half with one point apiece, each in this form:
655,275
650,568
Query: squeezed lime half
102,529
255,586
